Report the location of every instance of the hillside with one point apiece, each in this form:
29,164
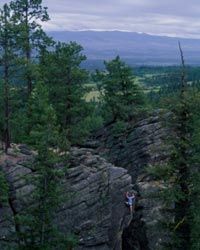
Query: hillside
135,48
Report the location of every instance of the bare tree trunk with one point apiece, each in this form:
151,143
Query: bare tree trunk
7,111
28,53
6,133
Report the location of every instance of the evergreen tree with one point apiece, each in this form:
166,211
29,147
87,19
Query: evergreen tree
195,176
27,15
65,78
38,228
7,57
183,164
4,189
122,97
1,115
176,174
43,118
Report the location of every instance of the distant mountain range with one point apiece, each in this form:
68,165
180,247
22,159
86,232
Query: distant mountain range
135,48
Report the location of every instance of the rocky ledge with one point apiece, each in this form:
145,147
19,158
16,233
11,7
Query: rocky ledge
94,210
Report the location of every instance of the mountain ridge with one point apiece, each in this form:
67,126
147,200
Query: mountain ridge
135,48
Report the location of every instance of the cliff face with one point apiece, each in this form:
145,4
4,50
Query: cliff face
94,210
141,146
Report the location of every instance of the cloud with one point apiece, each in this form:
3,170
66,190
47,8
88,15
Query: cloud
173,18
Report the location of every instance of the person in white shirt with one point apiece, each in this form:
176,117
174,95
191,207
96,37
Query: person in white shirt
130,201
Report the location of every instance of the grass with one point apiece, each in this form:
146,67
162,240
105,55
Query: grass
92,95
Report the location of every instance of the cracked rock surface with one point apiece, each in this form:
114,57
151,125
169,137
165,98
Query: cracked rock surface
142,145
94,210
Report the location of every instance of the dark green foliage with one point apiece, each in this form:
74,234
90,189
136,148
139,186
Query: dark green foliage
30,37
34,119
195,177
180,175
121,96
1,112
7,57
61,71
37,221
3,189
119,128
42,121
19,121
194,212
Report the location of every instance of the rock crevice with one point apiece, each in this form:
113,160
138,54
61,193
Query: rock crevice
140,146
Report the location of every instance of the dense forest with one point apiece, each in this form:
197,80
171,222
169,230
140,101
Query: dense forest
50,102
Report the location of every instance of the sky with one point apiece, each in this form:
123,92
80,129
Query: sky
178,18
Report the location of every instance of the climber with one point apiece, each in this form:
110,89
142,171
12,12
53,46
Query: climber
130,201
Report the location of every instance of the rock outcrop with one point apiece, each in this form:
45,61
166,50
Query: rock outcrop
140,146
94,210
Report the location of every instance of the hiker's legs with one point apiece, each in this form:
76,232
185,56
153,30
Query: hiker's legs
131,209
126,203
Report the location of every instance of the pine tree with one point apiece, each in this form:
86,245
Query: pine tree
4,189
195,176
30,37
65,78
39,231
122,97
182,160
7,57
43,118
176,174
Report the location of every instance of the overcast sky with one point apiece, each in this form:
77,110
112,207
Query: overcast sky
161,17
